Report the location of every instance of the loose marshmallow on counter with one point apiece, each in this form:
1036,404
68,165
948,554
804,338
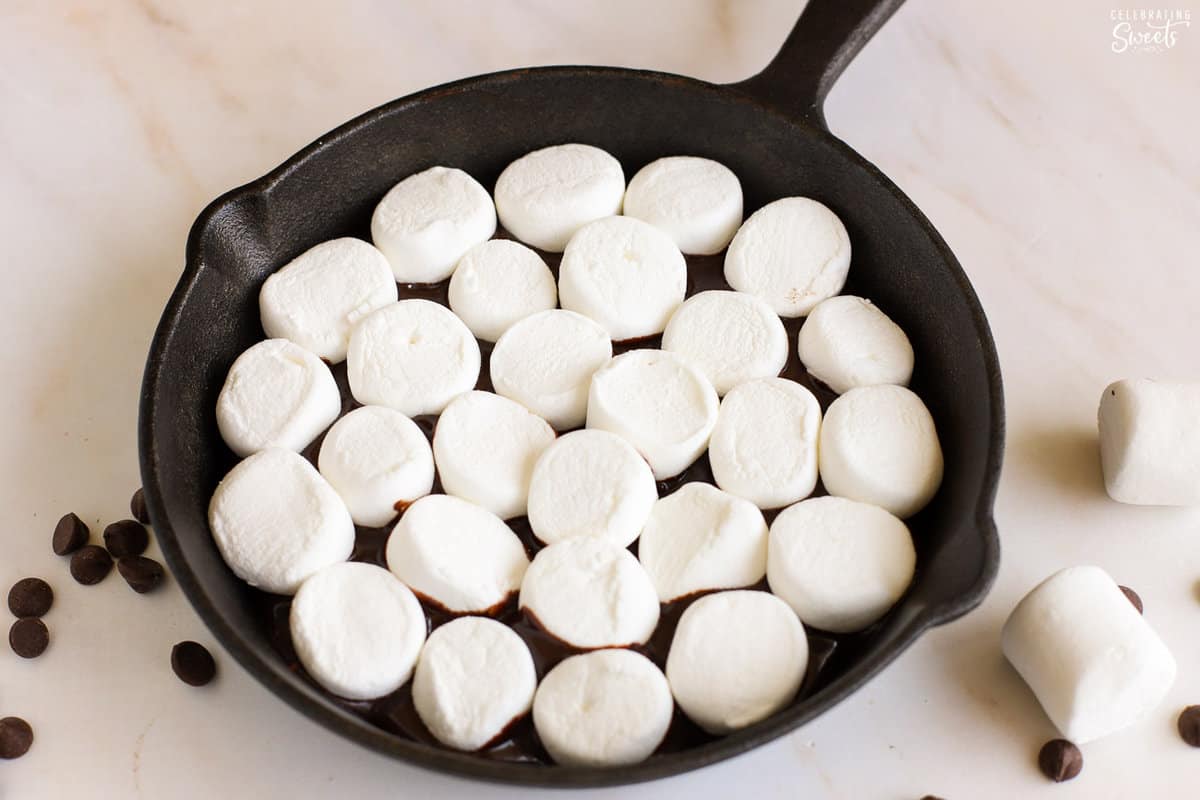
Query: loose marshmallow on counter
625,274
316,298
603,709
657,402
276,521
847,341
1150,442
357,630
590,483
878,445
498,283
428,221
737,658
277,394
485,447
545,362
1093,661
414,356
696,201
544,197
793,253
474,678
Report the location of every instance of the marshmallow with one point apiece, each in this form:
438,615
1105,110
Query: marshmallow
695,201
659,403
731,337
545,196
428,221
357,630
276,521
838,563
378,460
878,444
1150,442
456,554
545,362
737,658
317,297
414,356
474,678
485,447
764,445
793,253
590,593
603,709
277,394
625,274
847,342
498,283
1093,661
699,538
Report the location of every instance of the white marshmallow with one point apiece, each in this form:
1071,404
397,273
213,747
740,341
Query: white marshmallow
357,630
847,342
475,677
695,201
764,445
456,554
878,445
485,447
659,403
316,298
1150,442
276,521
625,274
545,362
377,459
793,253
603,709
590,593
737,658
545,196
414,356
428,221
277,394
1093,661
840,564
498,283
730,336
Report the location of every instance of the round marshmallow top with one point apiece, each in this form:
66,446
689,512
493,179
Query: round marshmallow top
696,201
498,283
847,342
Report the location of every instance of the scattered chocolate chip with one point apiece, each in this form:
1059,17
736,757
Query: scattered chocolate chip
30,597
126,538
28,637
15,737
1133,597
1189,725
931,797
137,507
1060,760
141,573
70,534
90,564
193,663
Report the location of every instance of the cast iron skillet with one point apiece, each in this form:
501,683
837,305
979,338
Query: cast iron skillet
771,132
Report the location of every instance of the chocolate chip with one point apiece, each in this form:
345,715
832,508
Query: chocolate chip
1133,597
931,797
90,564
126,538
1189,725
137,507
1060,760
28,637
141,573
193,663
70,534
15,737
30,597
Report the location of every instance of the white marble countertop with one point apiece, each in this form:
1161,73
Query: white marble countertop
1066,178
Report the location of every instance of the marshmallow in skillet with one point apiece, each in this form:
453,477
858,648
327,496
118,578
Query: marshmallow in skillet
1150,442
764,445
590,593
699,538
456,554
276,521
847,341
696,201
737,658
625,274
732,337
878,445
475,676
1093,661
657,402
793,253
414,356
544,197
428,221
277,394
498,283
545,362
603,709
590,483
317,297
378,460
485,447
338,623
